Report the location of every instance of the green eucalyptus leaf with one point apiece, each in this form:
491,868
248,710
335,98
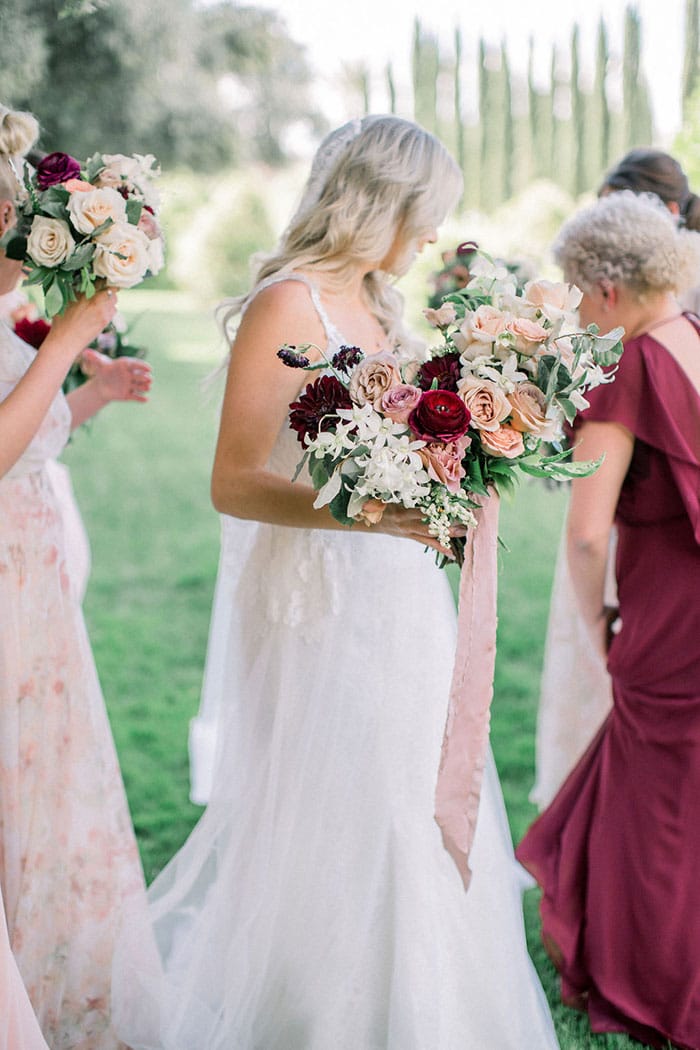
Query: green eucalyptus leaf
134,208
80,257
54,299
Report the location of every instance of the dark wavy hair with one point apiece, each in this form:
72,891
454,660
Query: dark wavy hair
653,171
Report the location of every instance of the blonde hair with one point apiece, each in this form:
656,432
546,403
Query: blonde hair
18,133
370,180
630,239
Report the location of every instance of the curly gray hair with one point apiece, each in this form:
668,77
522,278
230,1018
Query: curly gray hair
629,239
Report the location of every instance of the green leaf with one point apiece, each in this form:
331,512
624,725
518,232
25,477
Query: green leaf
54,299
133,210
319,473
94,166
55,210
101,228
339,507
55,195
300,465
568,408
80,257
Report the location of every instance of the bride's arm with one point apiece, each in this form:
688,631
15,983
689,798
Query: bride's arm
259,390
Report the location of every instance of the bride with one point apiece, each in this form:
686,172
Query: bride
314,906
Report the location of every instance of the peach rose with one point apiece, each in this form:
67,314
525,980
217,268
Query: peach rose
553,298
506,442
444,461
440,318
528,334
372,512
486,401
486,324
373,377
399,401
77,186
89,210
528,409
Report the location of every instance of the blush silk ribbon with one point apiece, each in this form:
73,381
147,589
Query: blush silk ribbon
466,737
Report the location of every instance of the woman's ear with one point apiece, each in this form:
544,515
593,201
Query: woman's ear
608,293
7,216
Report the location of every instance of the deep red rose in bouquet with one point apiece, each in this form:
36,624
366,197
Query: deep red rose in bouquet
56,168
440,415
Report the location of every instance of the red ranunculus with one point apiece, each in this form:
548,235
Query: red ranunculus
56,168
32,332
440,415
317,408
445,369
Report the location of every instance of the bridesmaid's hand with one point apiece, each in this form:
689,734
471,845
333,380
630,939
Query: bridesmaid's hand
82,322
120,379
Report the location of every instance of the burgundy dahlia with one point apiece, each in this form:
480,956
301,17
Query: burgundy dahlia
346,358
32,332
440,415
445,369
56,168
317,408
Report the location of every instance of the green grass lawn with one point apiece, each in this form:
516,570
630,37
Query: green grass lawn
141,476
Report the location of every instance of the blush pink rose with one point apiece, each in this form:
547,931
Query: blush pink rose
443,316
373,377
528,409
148,224
553,298
486,401
399,401
529,335
444,462
506,442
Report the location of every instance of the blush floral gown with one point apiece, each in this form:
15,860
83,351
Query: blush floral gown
69,866
314,906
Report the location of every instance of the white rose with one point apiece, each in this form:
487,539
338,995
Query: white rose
90,210
155,255
50,241
122,255
133,173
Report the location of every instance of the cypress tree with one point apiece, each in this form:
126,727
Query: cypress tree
578,116
635,93
391,87
691,59
508,148
602,108
458,115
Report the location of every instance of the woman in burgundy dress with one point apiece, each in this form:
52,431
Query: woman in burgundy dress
617,852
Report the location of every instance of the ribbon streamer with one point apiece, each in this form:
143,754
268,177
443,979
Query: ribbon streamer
466,737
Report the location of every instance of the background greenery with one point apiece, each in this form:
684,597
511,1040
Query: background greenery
141,475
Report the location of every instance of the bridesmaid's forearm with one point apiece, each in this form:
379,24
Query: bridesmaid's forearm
587,563
85,402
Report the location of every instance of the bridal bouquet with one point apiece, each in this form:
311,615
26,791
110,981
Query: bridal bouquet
81,227
436,430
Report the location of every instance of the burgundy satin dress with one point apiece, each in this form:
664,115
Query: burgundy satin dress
617,852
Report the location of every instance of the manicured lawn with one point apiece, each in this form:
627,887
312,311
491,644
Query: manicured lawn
142,479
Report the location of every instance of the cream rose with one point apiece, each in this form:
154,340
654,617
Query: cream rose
89,210
486,401
528,334
485,324
529,409
506,442
50,241
373,377
122,255
553,298
132,173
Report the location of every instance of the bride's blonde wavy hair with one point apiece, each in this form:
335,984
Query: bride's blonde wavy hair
370,180
18,133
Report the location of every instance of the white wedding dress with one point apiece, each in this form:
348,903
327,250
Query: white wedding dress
314,906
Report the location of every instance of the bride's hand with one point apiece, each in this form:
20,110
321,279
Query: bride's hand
410,524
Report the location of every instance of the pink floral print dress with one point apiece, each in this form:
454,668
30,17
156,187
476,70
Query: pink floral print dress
69,865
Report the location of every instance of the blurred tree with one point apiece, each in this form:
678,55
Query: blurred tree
578,116
601,118
508,148
635,92
458,115
540,116
425,68
691,58
127,76
391,87
268,72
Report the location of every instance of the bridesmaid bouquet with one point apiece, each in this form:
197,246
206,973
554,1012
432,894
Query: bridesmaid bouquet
441,430
81,227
